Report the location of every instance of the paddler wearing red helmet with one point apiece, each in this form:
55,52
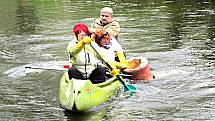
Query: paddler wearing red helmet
83,58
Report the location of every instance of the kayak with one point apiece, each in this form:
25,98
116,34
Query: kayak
139,69
80,95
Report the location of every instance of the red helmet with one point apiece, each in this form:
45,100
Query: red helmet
80,26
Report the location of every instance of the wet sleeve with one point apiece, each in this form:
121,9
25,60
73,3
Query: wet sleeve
72,48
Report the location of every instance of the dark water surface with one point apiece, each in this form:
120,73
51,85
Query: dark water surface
178,38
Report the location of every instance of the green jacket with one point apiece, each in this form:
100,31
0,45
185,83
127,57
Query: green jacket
85,59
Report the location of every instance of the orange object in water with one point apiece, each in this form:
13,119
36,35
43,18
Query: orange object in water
139,69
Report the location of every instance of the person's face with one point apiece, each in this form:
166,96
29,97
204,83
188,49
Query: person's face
105,18
81,35
105,40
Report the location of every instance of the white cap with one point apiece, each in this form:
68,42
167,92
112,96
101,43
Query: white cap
107,10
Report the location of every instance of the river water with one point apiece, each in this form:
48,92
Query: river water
178,39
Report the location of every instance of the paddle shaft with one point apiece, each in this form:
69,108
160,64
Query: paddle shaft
44,68
63,69
108,65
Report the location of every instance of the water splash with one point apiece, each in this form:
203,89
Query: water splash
167,73
21,71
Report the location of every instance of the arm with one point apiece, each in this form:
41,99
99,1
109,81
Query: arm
113,28
74,49
95,25
122,64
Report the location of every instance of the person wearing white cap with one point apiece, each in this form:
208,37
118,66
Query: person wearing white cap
106,22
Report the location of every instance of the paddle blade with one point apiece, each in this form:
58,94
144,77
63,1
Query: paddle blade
130,88
125,75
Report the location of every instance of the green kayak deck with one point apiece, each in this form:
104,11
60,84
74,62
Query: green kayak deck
81,95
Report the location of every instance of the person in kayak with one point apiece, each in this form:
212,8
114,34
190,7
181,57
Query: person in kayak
83,58
106,22
111,48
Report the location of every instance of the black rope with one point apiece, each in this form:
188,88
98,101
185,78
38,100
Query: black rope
85,64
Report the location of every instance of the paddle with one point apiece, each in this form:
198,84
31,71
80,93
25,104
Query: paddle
128,87
64,68
46,68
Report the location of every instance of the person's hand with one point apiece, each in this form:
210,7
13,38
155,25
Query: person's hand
120,65
114,72
87,40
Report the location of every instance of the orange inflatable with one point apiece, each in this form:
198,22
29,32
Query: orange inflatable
139,70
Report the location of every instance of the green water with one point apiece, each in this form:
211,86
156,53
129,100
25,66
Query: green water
177,37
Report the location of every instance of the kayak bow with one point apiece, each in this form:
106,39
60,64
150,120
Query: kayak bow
80,95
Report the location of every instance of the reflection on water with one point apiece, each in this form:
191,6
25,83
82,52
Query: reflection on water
26,18
176,37
83,116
